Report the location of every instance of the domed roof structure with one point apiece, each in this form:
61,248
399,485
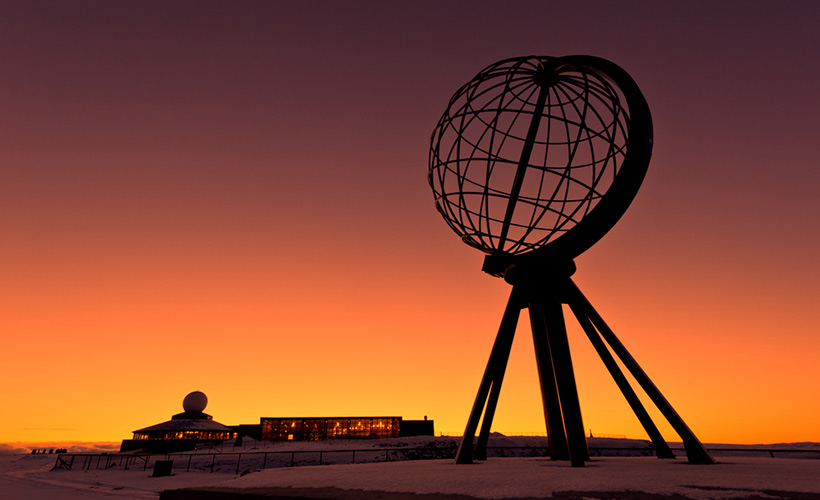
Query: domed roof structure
183,431
195,401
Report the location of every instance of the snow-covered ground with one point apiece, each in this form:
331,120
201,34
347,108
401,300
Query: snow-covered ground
738,477
29,477
26,476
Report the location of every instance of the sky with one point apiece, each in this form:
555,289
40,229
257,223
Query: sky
232,197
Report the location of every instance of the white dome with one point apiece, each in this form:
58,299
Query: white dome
195,401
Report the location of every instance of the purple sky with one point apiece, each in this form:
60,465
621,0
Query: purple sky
252,175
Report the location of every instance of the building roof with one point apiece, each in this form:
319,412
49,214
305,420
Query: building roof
192,419
331,418
187,424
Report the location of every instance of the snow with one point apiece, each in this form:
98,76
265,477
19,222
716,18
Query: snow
541,478
26,476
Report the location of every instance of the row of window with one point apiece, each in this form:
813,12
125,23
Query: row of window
194,435
315,429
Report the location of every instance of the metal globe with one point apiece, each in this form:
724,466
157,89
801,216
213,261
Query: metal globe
531,148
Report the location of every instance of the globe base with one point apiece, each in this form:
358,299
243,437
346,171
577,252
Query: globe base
517,269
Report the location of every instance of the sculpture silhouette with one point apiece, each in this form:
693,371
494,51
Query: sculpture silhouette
534,160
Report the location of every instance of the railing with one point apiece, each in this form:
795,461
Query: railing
759,452
248,461
67,460
252,460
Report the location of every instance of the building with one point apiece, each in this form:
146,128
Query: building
191,429
185,431
321,428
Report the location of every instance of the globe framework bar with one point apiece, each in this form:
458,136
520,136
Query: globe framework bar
523,164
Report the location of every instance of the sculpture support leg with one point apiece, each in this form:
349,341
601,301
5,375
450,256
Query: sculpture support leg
493,376
695,451
661,447
480,452
565,380
556,432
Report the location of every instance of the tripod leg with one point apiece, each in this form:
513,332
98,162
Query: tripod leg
695,451
493,375
556,433
565,380
480,452
661,447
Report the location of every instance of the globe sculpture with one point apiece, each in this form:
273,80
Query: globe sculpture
534,160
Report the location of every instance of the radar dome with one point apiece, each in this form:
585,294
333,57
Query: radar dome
195,401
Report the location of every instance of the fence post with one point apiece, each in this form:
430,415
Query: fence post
291,458
265,460
213,461
238,460
189,463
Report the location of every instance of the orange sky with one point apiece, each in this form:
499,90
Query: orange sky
232,198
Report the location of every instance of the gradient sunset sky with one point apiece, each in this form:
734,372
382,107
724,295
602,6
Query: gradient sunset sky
232,197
